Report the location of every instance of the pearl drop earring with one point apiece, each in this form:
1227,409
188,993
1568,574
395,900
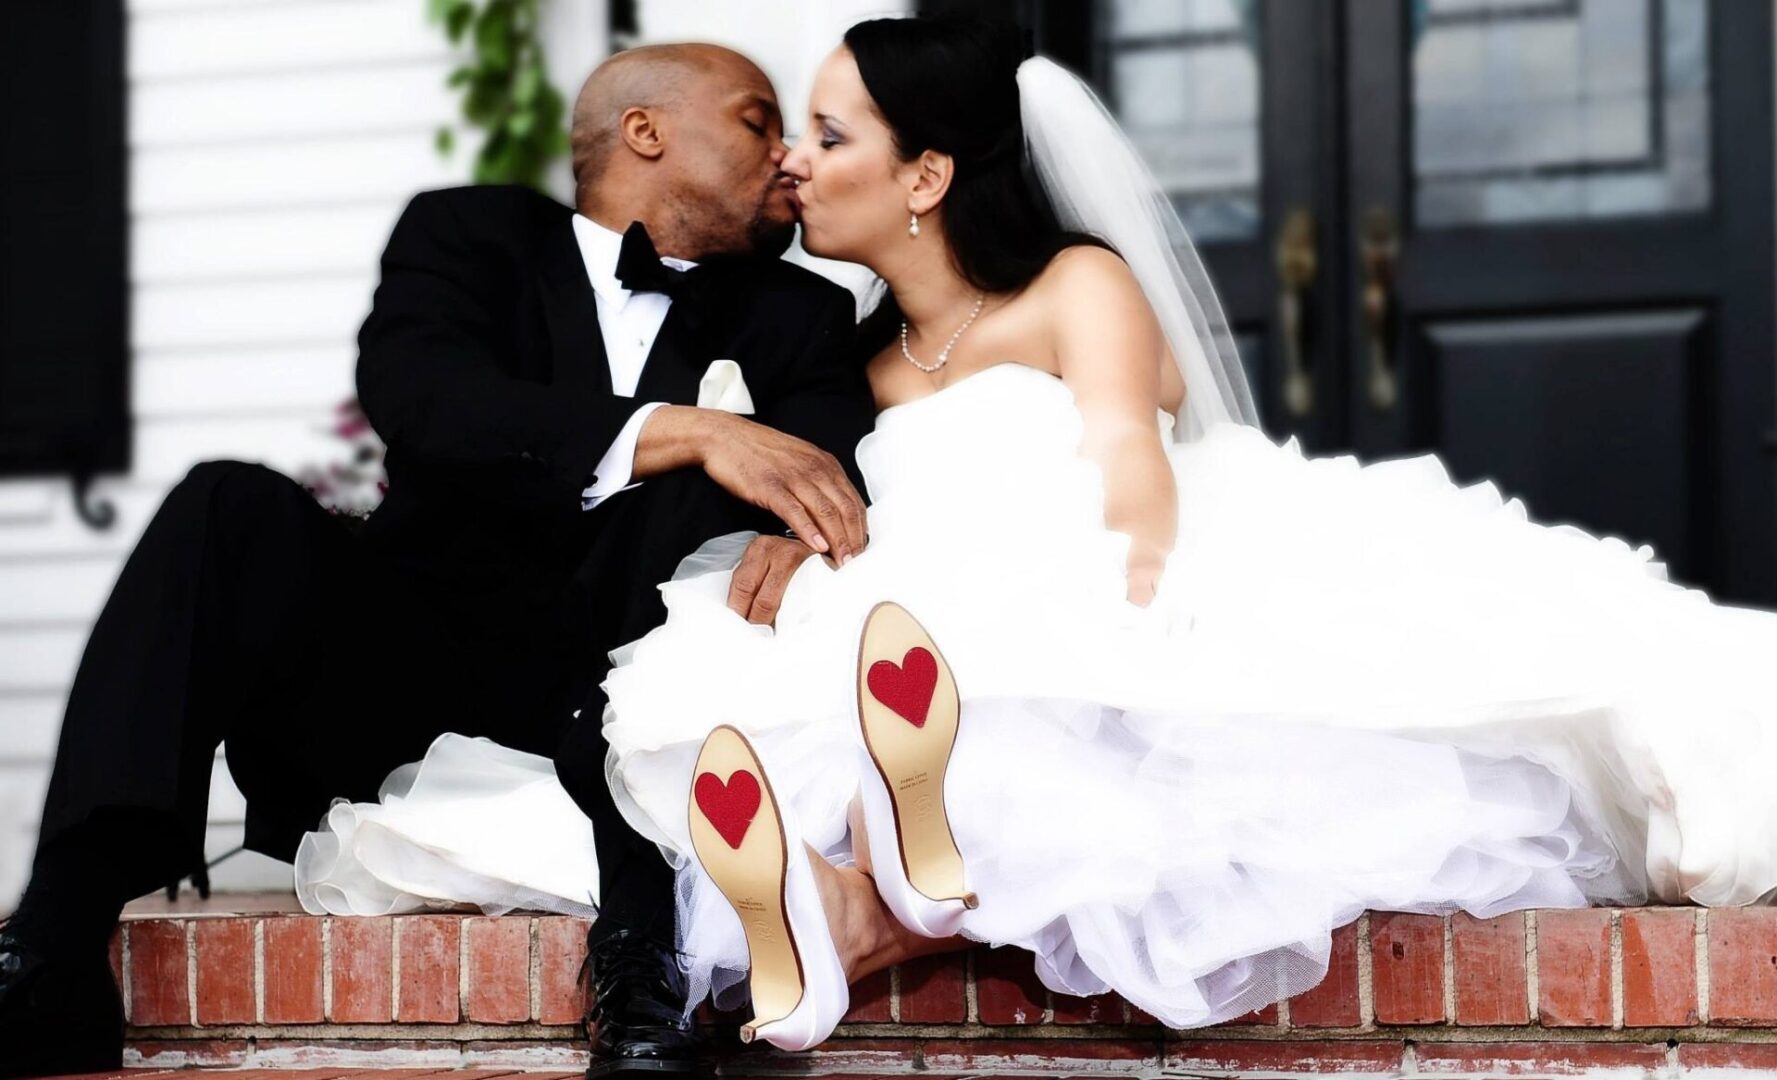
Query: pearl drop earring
913,225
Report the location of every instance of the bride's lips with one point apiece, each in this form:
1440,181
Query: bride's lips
788,186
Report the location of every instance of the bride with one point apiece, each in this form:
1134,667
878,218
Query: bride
1119,680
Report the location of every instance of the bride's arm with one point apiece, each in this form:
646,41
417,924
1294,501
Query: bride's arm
1108,349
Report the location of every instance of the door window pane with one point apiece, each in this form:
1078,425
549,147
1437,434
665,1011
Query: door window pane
1183,79
1539,110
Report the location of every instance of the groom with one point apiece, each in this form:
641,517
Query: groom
535,372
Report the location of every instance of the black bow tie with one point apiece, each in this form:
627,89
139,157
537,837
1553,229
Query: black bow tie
639,268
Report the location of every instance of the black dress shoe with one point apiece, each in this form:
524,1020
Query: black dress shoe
57,1016
635,1022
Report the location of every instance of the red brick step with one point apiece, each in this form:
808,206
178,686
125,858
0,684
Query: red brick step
1653,989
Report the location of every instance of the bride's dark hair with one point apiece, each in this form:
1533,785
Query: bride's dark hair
950,83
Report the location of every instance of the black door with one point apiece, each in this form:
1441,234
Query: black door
1559,262
1532,236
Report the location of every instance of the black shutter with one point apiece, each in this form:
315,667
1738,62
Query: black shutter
64,226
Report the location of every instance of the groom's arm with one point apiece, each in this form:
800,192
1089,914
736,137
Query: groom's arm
795,457
437,374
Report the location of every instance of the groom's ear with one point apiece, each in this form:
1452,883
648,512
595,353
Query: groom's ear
640,133
931,180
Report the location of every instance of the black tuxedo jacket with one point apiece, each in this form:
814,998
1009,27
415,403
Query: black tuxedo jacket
482,368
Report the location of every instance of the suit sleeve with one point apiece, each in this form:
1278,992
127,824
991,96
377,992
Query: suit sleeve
823,396
436,368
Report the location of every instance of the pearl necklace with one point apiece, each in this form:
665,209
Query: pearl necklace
944,356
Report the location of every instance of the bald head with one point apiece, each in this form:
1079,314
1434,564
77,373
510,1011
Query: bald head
663,78
688,140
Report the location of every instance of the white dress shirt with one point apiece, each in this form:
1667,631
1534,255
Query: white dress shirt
629,323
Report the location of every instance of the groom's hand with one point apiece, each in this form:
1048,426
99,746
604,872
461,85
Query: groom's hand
802,484
756,590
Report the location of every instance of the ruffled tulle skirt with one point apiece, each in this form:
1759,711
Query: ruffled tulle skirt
1203,878
474,823
1359,687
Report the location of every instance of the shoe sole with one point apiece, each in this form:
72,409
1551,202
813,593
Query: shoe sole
912,752
751,867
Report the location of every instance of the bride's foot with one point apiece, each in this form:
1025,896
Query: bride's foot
866,933
860,836
861,926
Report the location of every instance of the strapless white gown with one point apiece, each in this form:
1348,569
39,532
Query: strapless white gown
1358,687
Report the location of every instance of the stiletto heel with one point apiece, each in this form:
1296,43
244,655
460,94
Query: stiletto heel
754,854
908,712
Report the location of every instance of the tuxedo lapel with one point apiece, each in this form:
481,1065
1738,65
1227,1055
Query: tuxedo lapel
571,309
671,373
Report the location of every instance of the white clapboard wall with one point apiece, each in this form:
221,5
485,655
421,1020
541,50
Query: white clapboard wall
271,145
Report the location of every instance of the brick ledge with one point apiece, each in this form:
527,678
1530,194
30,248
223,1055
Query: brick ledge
1646,988
935,1059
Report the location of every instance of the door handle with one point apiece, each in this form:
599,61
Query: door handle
1379,247
1296,266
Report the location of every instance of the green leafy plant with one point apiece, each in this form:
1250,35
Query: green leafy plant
505,89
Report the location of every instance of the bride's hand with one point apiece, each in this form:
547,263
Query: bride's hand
1142,585
1144,572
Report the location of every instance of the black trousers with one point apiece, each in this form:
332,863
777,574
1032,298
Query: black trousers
248,616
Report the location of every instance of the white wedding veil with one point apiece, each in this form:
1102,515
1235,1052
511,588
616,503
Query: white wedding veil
1099,185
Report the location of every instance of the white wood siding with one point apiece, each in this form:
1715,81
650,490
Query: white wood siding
272,143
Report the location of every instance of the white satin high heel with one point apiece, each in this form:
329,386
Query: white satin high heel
908,711
754,853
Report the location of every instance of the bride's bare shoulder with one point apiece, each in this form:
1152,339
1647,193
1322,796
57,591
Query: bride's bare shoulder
1096,310
1085,282
1083,285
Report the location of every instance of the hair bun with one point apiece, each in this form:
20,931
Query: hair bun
1009,143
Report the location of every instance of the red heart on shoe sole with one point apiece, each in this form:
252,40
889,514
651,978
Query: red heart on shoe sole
906,687
729,807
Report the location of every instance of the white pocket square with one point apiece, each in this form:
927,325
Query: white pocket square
723,388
